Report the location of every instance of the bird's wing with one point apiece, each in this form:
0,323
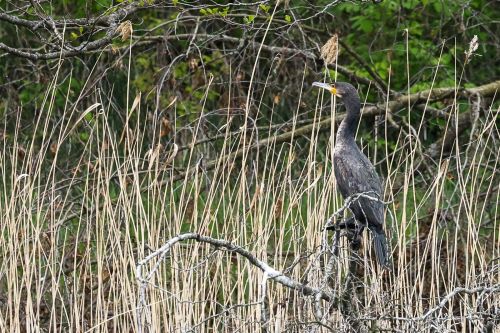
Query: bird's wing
355,174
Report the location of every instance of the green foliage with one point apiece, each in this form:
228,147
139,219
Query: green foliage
222,11
385,33
265,8
249,19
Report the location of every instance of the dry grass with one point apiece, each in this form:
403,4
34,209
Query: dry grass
71,239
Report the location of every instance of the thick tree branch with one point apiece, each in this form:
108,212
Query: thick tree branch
369,111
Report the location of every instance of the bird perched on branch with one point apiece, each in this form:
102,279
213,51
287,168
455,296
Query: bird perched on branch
356,177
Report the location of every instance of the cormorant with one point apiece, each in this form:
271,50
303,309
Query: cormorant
355,174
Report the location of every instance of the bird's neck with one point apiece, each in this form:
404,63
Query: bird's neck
348,126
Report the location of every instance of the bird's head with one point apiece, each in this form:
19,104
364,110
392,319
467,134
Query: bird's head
339,89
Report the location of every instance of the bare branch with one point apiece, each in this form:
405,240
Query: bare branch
112,21
264,313
271,273
459,290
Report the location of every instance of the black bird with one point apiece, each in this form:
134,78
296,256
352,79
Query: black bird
355,174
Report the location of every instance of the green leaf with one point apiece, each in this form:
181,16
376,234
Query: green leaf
84,136
89,116
363,23
288,18
265,8
249,19
224,12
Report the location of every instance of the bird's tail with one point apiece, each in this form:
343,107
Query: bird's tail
381,248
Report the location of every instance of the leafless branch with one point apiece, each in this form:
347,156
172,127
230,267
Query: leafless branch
160,254
459,290
111,21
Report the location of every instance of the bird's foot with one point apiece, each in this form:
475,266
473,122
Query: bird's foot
354,236
349,223
350,227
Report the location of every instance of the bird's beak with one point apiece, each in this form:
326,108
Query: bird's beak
326,86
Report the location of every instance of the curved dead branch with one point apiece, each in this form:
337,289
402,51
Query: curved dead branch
270,273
